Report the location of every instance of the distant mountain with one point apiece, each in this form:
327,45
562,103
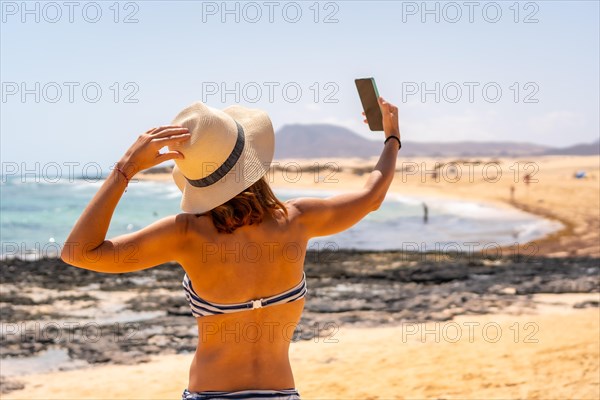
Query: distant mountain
468,149
323,140
585,149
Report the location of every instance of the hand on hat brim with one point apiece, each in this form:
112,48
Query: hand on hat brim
145,152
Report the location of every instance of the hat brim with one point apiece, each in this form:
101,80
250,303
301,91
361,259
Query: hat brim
253,164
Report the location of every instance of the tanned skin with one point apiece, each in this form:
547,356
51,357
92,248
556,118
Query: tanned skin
243,350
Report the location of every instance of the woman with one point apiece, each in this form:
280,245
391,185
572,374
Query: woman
241,248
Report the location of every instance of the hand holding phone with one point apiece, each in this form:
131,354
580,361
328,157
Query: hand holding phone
369,97
389,118
380,115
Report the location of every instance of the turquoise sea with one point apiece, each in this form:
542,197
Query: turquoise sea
37,214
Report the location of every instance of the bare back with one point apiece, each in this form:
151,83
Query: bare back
241,350
248,348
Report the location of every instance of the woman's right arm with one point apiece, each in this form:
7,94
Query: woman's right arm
322,217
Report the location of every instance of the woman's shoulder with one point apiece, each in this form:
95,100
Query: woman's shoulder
303,204
300,207
192,224
296,208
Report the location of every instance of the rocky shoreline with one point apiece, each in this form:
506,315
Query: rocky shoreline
123,319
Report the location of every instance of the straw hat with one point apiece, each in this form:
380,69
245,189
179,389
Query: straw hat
228,151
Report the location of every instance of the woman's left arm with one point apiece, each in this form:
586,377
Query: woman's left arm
87,247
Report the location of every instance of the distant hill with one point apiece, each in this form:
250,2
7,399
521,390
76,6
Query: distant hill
585,149
323,140
466,149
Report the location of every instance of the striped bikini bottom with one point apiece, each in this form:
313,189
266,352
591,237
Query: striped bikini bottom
284,394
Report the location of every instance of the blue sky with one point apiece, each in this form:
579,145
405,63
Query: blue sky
178,51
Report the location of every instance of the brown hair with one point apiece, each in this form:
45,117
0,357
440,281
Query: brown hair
247,208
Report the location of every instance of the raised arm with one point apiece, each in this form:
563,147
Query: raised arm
87,247
322,217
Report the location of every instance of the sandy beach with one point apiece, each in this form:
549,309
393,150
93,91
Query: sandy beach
503,356
556,194
553,191
468,271
526,333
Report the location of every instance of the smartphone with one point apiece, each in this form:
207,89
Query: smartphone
367,90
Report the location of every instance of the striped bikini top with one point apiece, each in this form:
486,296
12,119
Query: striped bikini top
201,307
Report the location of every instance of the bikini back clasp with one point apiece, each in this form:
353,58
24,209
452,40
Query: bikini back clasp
201,307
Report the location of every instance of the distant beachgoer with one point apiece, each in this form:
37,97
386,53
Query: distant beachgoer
231,206
512,193
425,213
527,180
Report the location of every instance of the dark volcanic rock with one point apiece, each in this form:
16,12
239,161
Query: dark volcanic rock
587,304
363,288
9,385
